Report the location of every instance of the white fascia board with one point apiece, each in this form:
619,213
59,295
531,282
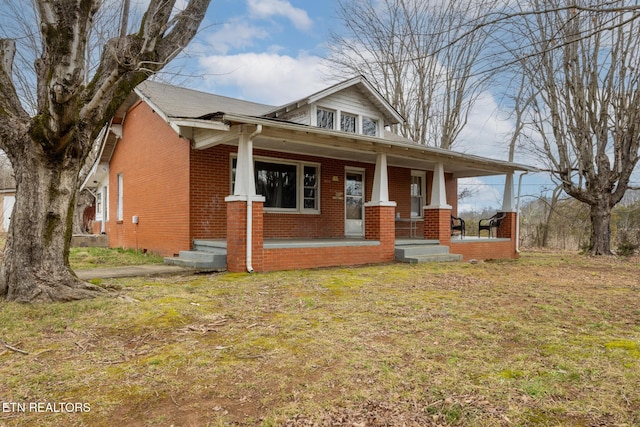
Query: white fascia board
157,110
102,136
200,124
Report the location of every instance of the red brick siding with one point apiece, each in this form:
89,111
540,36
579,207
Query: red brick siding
380,226
294,258
484,250
210,178
438,225
237,236
210,175
154,163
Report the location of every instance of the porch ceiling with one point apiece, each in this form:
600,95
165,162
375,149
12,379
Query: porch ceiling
300,139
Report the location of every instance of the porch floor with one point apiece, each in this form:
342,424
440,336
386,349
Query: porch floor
315,243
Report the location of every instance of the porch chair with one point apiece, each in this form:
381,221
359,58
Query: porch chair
492,223
457,224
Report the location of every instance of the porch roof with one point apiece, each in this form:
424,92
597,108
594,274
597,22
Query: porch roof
296,138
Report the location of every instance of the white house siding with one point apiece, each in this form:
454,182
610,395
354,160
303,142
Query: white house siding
300,116
8,201
351,101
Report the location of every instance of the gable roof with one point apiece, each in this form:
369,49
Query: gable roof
390,114
206,119
181,102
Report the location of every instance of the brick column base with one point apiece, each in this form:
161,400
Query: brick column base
507,229
380,225
437,225
237,233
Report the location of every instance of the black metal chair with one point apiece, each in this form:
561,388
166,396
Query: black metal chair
457,224
492,223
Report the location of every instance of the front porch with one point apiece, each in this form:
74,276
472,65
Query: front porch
211,254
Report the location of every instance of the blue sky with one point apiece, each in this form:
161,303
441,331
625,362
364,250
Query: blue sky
265,51
270,51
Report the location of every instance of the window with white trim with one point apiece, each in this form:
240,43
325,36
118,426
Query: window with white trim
369,126
348,122
105,203
119,198
418,193
99,206
326,118
287,186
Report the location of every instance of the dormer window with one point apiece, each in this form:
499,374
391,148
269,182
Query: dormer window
326,118
369,126
348,122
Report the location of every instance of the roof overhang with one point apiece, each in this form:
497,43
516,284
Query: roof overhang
390,114
294,138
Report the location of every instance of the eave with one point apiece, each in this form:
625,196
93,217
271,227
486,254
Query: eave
301,139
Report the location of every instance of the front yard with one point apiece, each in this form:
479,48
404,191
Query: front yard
550,339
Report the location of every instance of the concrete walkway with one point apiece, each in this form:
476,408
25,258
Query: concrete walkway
131,271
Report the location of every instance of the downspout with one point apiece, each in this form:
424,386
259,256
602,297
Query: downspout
518,212
250,212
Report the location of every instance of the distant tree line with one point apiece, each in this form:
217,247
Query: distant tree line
557,221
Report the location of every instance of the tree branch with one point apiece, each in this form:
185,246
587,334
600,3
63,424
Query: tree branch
9,100
12,348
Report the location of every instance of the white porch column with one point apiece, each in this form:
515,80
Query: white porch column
380,191
438,190
245,184
508,201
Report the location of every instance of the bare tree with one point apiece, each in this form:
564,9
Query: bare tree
584,67
415,55
47,149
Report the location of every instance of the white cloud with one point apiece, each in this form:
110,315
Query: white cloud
268,78
235,34
487,131
262,9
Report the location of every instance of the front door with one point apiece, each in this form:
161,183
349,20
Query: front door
354,203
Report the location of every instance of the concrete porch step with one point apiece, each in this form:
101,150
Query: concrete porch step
432,258
200,260
413,250
427,251
214,246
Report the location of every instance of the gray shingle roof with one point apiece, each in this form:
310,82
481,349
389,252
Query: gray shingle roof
181,102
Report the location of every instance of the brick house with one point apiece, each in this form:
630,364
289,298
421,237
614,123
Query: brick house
216,182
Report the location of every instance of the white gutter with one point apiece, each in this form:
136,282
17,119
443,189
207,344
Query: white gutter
518,212
250,212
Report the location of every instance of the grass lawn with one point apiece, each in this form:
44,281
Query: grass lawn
88,258
552,339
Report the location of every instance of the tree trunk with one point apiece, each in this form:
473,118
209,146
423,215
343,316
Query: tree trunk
35,267
600,229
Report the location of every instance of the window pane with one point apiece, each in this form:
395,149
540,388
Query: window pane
309,176
416,186
325,119
369,126
310,204
354,185
348,123
416,207
310,187
417,199
277,183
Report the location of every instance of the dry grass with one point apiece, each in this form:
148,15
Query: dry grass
551,339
